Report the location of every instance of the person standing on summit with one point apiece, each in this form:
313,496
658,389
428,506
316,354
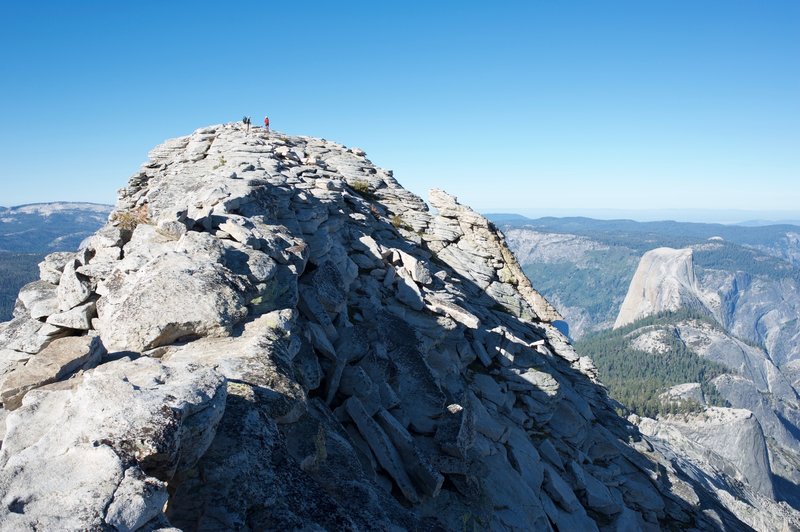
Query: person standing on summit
266,124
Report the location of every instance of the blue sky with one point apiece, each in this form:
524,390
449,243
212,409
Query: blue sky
528,106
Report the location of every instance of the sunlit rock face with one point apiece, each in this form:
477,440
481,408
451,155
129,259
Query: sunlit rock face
271,333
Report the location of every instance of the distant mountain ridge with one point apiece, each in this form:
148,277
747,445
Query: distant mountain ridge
758,223
48,208
681,233
47,227
700,216
584,266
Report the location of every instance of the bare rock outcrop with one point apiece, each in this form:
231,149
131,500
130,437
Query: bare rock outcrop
294,341
100,450
727,437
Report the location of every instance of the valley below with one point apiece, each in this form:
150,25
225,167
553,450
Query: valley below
693,327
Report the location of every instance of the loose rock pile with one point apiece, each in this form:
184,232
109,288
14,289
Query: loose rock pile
271,333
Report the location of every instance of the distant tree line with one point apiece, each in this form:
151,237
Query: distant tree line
730,257
664,233
637,378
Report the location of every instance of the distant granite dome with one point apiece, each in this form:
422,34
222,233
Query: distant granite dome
664,281
271,333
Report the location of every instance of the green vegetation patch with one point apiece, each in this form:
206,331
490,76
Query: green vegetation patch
730,257
363,189
129,219
636,378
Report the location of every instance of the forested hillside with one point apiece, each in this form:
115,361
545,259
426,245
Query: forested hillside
592,288
735,258
636,378
16,269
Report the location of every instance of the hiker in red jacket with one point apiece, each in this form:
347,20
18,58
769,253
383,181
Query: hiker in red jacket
266,124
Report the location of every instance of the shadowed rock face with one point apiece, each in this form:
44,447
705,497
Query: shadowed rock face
296,342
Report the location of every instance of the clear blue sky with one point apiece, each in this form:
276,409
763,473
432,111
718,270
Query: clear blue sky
513,105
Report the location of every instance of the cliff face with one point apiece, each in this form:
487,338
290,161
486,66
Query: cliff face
726,440
578,271
664,281
271,333
762,309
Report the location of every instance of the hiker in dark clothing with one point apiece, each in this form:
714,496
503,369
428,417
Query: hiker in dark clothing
246,122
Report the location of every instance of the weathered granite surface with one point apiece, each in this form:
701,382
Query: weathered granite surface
288,339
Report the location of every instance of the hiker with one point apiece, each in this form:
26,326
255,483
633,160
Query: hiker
266,124
246,122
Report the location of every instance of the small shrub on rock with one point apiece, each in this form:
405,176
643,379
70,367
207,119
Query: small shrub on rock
399,223
362,188
127,220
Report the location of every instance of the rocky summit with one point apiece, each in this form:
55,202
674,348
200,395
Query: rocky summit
270,333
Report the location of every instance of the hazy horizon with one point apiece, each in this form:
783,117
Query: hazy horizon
721,216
